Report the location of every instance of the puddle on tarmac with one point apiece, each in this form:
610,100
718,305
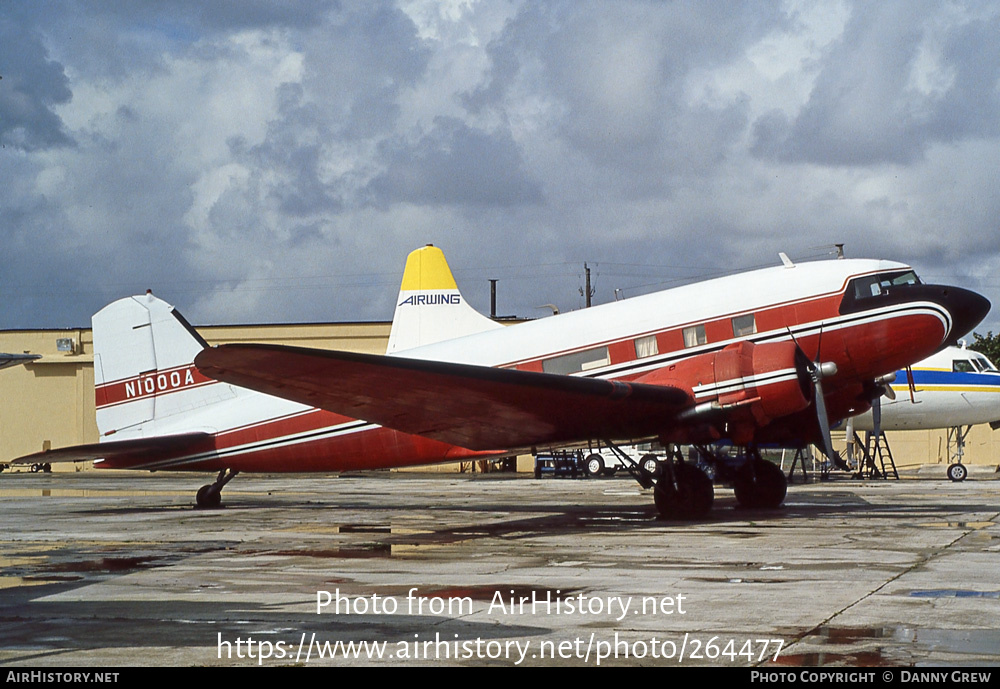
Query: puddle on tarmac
365,528
953,593
860,659
507,593
104,564
352,528
81,493
371,550
72,570
958,525
957,641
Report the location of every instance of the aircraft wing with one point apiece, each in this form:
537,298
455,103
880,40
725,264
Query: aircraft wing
7,360
476,407
125,454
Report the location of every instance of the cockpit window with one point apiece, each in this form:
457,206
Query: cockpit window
962,366
984,364
874,285
906,278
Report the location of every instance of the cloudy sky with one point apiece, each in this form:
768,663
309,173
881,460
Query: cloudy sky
265,161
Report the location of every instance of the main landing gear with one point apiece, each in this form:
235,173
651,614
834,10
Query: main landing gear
683,492
757,483
680,490
210,495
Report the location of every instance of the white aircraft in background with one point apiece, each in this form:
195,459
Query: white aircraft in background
953,388
769,356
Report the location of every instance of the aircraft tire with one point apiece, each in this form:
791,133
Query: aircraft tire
760,484
208,497
693,497
957,472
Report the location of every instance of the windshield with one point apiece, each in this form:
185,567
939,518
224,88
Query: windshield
874,285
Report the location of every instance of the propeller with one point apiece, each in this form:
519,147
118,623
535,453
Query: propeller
817,371
882,387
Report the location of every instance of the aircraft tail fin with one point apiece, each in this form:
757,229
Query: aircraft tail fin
144,373
430,308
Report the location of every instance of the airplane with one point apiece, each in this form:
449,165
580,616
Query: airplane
952,388
8,360
759,357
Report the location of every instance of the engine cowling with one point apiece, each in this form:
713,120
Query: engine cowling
741,388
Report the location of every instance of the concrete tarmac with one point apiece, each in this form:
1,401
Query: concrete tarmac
108,570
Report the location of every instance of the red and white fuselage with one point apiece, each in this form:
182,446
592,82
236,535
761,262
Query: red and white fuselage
729,343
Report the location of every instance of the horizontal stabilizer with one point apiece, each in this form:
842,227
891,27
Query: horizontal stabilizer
476,407
135,453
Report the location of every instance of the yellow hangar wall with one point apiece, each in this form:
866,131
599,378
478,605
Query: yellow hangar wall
49,402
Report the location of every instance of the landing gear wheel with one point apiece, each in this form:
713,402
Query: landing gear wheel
957,472
595,464
691,499
760,484
651,465
209,497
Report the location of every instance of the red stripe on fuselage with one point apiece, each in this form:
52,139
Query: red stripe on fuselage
151,384
316,440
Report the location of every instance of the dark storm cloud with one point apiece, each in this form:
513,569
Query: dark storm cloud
616,83
455,164
31,85
232,150
893,85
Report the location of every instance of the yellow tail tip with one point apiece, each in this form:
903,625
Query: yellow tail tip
426,268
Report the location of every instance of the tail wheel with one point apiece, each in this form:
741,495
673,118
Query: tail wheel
691,498
760,484
209,496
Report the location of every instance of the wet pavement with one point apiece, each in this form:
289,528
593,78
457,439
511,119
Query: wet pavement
112,570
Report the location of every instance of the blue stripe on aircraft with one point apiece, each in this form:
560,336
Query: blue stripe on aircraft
925,377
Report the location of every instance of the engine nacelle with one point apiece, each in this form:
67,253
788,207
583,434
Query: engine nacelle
741,388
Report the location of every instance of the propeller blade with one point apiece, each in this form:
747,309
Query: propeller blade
877,415
821,417
816,372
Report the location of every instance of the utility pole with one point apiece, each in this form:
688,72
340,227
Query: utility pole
493,299
589,292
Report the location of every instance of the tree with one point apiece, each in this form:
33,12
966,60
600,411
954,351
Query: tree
988,345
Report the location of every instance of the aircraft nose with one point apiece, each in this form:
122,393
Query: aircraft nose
967,309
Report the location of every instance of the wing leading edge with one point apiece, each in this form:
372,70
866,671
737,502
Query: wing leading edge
475,407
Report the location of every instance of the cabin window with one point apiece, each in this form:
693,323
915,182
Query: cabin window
577,361
962,366
694,336
744,325
646,346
